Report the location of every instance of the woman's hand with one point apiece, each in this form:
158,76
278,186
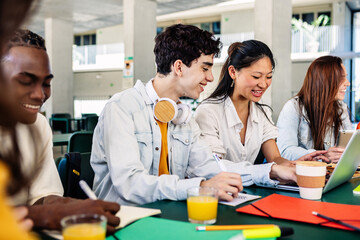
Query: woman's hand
315,156
334,154
283,173
20,214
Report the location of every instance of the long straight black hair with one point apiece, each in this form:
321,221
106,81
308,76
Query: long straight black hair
240,55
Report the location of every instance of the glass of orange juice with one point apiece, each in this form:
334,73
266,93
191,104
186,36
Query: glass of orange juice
84,226
202,204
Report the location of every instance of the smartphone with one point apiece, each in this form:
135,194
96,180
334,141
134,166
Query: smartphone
344,137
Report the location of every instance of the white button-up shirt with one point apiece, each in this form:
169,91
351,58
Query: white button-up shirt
220,126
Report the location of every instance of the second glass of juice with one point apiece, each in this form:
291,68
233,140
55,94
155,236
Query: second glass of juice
84,226
202,205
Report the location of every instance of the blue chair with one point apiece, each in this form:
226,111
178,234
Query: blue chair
73,168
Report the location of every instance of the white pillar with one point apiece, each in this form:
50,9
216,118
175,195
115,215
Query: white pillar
273,27
59,40
139,34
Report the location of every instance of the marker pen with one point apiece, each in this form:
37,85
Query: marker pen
268,233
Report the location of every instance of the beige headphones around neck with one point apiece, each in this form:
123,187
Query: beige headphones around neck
166,110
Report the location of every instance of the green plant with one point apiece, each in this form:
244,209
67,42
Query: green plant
310,30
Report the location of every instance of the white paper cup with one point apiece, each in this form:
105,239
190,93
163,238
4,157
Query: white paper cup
310,178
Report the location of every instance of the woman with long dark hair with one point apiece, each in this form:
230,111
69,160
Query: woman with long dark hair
232,120
313,118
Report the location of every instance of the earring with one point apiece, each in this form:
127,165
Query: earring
232,84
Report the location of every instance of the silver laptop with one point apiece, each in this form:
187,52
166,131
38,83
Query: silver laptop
344,169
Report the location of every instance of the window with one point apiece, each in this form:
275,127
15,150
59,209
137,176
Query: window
84,40
205,26
89,105
77,40
296,16
216,27
213,27
159,30
308,17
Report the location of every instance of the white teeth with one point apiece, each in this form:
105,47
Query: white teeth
31,106
257,91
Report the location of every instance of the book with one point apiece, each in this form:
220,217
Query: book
129,214
153,228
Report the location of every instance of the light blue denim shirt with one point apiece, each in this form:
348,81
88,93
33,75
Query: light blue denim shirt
295,139
126,153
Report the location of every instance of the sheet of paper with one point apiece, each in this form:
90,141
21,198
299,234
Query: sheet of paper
242,197
128,214
54,234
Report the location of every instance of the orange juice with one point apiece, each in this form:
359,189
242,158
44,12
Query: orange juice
85,231
202,208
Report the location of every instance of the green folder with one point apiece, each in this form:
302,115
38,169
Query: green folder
159,228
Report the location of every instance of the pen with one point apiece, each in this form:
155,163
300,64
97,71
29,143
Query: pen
232,227
219,162
337,221
87,190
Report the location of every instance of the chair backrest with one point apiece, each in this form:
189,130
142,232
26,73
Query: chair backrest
73,168
88,115
90,122
80,142
60,122
61,115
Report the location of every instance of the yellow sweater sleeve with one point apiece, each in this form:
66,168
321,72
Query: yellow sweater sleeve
9,227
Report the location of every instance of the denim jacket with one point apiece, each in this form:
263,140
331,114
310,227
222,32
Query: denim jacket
295,139
126,153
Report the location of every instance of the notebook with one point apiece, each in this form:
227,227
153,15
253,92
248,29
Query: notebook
343,171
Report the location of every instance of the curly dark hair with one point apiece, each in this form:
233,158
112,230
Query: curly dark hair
26,38
185,43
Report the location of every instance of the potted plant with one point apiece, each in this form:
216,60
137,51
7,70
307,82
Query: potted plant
311,31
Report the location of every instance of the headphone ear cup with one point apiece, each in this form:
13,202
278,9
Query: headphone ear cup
184,114
165,110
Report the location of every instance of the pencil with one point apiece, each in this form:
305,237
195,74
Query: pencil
337,221
232,227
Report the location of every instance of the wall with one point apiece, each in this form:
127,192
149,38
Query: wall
236,22
298,73
108,35
98,83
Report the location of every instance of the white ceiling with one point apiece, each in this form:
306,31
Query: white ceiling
88,15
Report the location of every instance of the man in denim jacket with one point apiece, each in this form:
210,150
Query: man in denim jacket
139,158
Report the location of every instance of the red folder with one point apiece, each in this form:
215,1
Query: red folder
296,209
